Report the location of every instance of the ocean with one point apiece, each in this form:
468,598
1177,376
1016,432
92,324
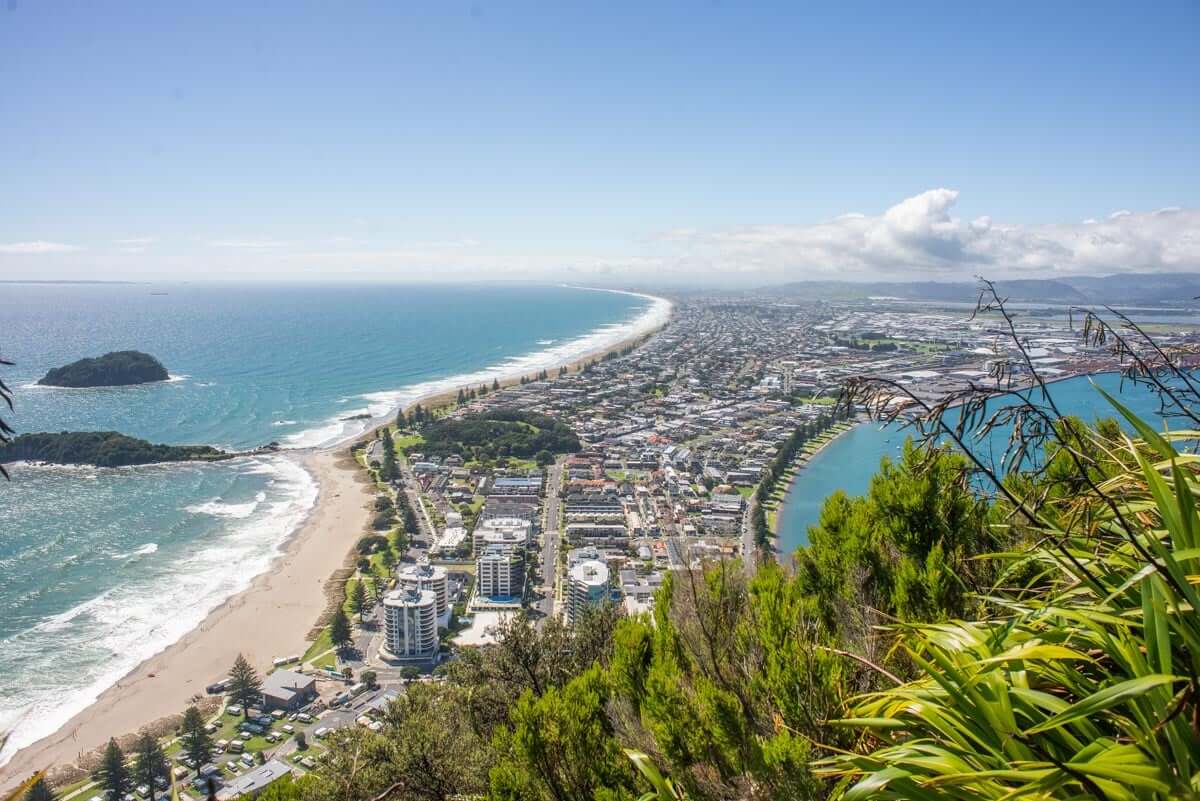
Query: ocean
103,568
849,462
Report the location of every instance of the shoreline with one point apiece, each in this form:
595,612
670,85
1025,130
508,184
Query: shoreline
263,621
784,559
779,555
383,405
276,613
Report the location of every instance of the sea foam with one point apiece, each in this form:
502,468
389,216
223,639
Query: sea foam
105,637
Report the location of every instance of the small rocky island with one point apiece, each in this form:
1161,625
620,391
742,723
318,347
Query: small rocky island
102,449
120,368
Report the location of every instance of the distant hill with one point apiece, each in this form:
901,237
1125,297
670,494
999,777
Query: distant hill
102,449
117,369
1172,289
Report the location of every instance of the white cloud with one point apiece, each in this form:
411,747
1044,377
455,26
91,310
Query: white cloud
37,248
921,236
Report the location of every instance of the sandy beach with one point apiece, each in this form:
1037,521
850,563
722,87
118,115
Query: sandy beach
269,619
272,618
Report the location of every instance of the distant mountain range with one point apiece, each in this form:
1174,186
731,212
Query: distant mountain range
1126,289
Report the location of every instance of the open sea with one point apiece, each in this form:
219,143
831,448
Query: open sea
102,568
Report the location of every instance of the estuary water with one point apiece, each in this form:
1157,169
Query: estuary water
848,462
102,568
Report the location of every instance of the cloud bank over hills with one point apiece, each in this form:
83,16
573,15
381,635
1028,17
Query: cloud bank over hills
921,237
918,238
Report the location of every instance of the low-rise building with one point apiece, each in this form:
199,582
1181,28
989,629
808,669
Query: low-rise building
254,781
288,690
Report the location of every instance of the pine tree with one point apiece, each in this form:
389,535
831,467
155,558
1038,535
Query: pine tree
339,630
358,598
197,745
495,384
112,774
40,791
150,763
245,686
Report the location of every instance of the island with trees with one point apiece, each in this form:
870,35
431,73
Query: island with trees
116,369
101,449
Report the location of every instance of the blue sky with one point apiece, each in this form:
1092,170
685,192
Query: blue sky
718,141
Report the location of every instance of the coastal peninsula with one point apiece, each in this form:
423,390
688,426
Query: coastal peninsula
102,449
115,369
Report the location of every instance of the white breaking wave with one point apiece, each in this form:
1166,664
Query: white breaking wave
145,550
384,405
283,422
113,633
217,508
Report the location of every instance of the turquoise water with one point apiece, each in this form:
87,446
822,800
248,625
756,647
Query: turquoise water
261,363
102,568
849,461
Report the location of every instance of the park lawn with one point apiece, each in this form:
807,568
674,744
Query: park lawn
746,492
319,646
407,443
377,565
66,792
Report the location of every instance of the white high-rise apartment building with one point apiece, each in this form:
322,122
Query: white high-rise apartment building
499,573
410,624
424,576
587,585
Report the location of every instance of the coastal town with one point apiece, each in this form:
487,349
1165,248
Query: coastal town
551,494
